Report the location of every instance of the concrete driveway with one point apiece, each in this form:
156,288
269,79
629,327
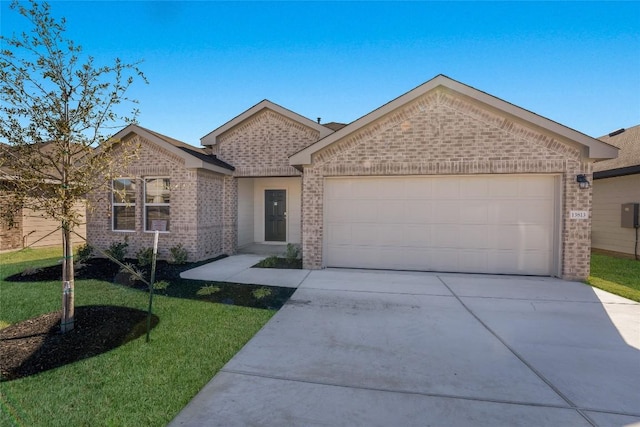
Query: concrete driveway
365,348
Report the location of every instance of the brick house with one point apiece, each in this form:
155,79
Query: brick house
616,182
443,178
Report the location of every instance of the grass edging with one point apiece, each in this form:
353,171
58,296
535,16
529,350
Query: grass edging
620,276
614,288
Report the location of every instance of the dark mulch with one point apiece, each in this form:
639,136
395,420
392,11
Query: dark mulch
278,262
36,345
102,269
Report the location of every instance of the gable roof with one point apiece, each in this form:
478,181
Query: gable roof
628,161
211,137
593,148
195,158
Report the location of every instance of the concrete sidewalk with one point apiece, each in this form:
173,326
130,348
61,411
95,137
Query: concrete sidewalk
366,348
237,269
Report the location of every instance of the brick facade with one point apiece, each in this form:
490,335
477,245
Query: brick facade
258,147
196,207
261,145
439,134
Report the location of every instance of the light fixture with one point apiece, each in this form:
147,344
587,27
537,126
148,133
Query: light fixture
583,182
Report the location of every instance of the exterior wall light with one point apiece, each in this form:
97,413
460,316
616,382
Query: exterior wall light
583,182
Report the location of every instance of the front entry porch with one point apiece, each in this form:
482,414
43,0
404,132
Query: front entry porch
269,213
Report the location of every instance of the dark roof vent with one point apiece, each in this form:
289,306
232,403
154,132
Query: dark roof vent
319,118
617,132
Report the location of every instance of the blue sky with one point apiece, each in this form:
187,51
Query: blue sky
577,63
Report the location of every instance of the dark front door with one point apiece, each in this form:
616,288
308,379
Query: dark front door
275,215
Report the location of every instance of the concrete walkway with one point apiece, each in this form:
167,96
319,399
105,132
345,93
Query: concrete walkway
365,348
237,269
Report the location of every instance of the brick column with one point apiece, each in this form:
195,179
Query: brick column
230,215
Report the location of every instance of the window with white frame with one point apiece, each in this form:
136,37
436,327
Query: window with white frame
123,203
157,209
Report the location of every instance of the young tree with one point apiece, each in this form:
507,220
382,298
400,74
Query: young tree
57,111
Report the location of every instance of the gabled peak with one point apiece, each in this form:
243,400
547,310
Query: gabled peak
211,137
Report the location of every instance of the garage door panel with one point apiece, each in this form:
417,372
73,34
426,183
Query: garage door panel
340,234
474,212
446,212
389,211
535,187
340,212
446,236
446,260
474,261
535,212
504,189
417,236
446,189
484,224
419,189
363,210
418,211
473,236
473,188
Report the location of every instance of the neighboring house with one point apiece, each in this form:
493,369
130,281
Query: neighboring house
30,228
616,182
443,178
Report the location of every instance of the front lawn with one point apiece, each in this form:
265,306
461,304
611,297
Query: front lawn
619,276
134,384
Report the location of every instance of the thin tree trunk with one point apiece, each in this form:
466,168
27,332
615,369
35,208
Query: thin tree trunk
68,301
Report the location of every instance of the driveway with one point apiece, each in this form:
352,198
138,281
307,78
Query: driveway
367,348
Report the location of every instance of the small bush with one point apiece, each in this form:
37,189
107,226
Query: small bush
208,290
84,253
292,253
262,292
161,285
179,254
133,271
270,262
144,257
118,250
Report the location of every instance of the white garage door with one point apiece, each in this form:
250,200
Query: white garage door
482,223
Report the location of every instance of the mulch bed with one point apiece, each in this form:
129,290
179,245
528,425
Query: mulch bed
36,345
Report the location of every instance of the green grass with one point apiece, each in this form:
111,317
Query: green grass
619,276
136,384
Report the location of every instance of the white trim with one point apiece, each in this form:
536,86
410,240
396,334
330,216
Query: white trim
145,204
114,204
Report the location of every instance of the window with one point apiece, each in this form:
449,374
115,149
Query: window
157,194
124,204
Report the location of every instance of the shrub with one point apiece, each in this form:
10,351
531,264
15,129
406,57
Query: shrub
179,254
118,250
270,262
131,269
84,253
292,253
144,256
208,290
262,292
161,285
